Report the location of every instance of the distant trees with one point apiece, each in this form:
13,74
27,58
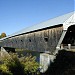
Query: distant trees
2,35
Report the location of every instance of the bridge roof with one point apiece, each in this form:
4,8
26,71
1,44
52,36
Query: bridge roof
45,24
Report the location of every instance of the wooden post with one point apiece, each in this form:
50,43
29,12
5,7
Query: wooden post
69,46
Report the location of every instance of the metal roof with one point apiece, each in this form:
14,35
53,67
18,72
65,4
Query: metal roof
48,23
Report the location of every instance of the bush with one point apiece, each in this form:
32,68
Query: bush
4,70
13,65
30,65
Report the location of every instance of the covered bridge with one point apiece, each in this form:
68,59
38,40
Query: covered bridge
48,36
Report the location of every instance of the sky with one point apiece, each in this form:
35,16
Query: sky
16,15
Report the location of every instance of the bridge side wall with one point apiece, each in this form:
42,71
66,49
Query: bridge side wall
41,40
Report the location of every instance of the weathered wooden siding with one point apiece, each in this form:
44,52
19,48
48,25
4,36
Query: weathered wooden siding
41,40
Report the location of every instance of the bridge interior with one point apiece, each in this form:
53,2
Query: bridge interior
69,37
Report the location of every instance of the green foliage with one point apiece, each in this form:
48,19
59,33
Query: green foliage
30,65
0,36
4,70
13,65
3,35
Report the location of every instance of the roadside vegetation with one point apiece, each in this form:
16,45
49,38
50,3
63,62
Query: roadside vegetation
15,65
64,64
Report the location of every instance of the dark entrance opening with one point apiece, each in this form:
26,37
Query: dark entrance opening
8,49
70,36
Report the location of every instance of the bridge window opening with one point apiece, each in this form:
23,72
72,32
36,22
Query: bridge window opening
70,36
29,40
16,41
21,40
46,39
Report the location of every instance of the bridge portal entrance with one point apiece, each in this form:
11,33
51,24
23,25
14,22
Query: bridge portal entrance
69,39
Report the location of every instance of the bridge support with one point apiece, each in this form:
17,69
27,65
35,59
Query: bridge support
4,53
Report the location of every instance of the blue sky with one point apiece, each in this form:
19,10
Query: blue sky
19,14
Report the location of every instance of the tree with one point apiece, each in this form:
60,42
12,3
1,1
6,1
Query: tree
15,65
0,36
3,35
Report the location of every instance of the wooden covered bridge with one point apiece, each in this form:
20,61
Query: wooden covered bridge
48,36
